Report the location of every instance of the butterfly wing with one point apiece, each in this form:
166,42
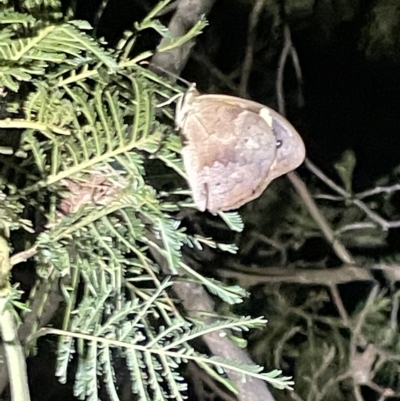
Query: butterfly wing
228,152
291,151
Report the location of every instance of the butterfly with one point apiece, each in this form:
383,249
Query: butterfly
233,148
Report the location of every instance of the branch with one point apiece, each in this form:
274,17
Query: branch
195,301
38,315
325,277
13,350
386,225
339,248
188,12
14,353
320,219
251,39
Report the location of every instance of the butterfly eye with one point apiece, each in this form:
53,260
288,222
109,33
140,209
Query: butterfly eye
278,144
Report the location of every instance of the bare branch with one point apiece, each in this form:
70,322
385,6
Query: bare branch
188,12
326,277
300,187
195,301
386,225
251,39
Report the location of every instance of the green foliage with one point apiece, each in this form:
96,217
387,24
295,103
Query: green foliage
88,123
345,169
48,47
381,33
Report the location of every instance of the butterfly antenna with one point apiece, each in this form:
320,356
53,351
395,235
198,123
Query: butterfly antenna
156,68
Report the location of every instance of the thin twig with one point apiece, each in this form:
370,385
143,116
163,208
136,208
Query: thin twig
394,312
357,392
337,299
251,40
326,277
386,225
294,396
278,350
325,388
281,68
320,219
98,15
365,194
200,374
300,187
356,331
378,190
23,256
299,76
355,226
215,71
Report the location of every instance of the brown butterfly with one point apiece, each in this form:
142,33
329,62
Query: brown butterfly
233,148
